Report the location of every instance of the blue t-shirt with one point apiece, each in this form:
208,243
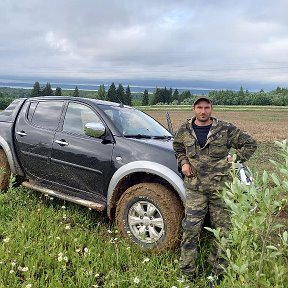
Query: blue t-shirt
201,133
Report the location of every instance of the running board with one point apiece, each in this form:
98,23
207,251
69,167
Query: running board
89,204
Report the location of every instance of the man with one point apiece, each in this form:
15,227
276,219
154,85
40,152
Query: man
201,146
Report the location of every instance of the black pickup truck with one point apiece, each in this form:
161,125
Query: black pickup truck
106,156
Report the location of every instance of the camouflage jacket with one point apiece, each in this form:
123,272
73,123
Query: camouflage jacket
209,164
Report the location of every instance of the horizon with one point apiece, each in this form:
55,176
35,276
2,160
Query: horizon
135,85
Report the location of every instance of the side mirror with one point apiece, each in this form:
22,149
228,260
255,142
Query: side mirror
94,129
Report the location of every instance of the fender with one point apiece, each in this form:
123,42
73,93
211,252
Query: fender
15,169
149,167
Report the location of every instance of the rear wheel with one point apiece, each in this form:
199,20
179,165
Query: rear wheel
150,215
4,171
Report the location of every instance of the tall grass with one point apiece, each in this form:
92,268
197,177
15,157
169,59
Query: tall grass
46,242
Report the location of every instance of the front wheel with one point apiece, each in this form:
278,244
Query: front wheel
4,171
150,215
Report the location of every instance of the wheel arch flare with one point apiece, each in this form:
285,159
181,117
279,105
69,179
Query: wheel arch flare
150,168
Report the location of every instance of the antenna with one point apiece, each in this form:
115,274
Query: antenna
169,123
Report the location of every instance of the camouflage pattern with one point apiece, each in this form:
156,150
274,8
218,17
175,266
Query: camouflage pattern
210,172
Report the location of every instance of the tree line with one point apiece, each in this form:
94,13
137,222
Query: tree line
114,94
277,97
121,94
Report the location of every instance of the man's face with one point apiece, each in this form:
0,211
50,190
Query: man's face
203,111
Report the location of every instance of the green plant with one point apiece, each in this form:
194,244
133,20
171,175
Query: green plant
257,246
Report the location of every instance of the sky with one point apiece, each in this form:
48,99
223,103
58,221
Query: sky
194,41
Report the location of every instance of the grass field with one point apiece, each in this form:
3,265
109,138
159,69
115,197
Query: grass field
47,242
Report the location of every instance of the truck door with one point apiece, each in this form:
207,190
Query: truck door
78,161
34,132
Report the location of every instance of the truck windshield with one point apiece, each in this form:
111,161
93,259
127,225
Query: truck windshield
134,123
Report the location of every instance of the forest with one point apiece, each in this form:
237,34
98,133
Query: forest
121,94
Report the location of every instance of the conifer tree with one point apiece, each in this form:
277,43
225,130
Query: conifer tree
128,96
101,92
58,91
145,99
47,90
111,95
36,91
175,96
76,92
120,94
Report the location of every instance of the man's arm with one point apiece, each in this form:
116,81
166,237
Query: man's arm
179,147
244,144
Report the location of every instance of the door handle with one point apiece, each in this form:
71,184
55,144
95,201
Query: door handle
21,133
61,142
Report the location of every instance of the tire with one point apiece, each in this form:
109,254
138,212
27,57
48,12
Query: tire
150,215
4,171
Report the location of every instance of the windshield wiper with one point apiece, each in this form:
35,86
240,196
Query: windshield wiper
163,137
138,136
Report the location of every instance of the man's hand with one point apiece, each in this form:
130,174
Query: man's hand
229,159
187,170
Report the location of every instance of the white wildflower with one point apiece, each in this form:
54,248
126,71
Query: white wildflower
5,240
11,271
24,269
181,280
67,227
65,258
136,280
28,285
210,278
60,257
146,260
13,263
63,207
109,231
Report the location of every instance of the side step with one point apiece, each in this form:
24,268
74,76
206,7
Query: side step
89,204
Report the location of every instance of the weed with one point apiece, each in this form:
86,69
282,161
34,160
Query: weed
257,246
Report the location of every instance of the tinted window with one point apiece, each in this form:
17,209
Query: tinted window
77,115
46,114
131,121
31,110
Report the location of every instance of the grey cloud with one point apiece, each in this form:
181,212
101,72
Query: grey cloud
178,39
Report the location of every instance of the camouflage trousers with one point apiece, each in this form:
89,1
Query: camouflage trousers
198,203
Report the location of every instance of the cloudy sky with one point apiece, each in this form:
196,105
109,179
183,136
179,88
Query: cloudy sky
224,40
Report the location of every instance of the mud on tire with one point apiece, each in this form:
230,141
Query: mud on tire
4,171
150,215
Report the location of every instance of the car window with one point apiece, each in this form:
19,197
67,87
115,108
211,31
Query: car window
130,121
45,114
77,115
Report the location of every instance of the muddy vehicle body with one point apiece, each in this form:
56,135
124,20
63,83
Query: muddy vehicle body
103,155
